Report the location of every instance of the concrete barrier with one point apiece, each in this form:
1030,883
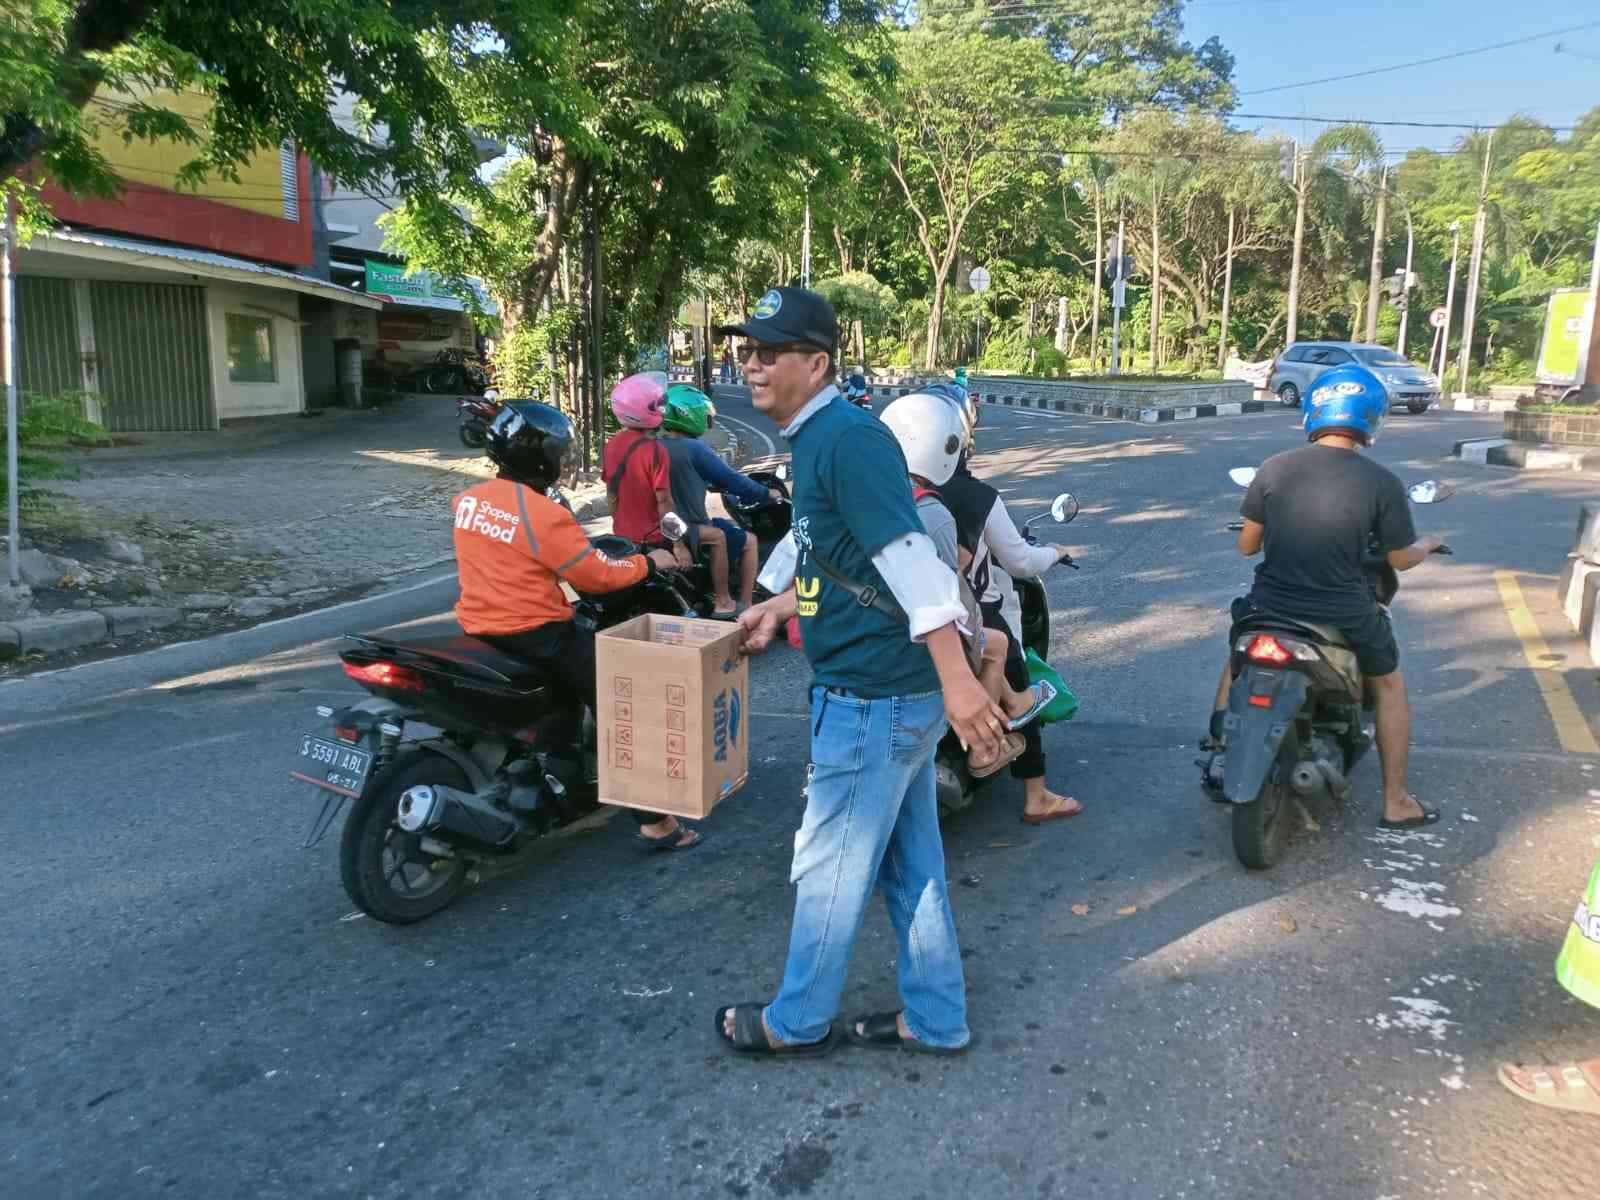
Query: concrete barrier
1578,586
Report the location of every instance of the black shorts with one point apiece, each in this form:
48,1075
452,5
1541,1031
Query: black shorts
1370,636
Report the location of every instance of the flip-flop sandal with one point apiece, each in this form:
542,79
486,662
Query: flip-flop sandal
1430,816
1054,812
881,1031
1011,748
1571,1092
1043,692
750,1035
673,841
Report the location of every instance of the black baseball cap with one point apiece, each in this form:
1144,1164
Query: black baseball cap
789,314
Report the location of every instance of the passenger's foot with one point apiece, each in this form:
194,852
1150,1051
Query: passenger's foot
1050,807
1572,1087
669,835
1404,812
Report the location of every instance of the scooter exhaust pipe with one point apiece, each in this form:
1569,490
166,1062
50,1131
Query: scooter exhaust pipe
1333,776
1305,778
456,817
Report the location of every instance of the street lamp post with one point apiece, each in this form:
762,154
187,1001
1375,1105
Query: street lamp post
1119,293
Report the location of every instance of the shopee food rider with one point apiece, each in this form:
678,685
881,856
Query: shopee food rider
514,548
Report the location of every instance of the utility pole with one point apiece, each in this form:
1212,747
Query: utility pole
1227,298
8,333
1119,297
1293,327
1405,287
1376,276
805,245
1449,299
1469,317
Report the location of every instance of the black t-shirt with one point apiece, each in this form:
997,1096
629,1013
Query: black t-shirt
1321,505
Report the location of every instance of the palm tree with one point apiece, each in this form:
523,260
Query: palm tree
1349,147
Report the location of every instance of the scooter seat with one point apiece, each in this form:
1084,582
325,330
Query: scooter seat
470,656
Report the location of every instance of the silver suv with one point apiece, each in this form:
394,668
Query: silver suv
1297,368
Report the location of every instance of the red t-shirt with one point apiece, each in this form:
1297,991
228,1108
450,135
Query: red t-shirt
637,515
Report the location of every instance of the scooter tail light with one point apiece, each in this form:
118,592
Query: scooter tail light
1266,648
385,675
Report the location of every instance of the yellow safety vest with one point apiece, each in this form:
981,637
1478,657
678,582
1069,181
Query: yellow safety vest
1578,966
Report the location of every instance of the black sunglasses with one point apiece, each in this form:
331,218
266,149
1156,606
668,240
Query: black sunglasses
769,354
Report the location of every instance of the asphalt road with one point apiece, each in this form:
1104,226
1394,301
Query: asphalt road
191,1008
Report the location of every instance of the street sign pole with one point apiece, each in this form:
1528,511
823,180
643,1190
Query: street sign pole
1449,301
8,332
1405,290
979,282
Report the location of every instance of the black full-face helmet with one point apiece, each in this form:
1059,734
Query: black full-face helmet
529,441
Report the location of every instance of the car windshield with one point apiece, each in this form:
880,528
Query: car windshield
1383,358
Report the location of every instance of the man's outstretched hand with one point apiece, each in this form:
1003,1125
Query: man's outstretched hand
758,625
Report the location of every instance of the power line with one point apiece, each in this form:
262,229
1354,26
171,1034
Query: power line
1423,62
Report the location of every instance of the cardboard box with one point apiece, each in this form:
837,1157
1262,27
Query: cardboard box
672,725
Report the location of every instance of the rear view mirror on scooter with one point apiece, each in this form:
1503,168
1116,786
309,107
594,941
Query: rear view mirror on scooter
1064,508
673,527
1430,491
1243,476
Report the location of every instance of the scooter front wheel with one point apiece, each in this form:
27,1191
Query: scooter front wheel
473,434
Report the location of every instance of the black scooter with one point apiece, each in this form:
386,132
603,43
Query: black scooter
431,808
1294,722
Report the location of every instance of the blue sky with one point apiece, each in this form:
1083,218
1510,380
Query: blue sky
1275,42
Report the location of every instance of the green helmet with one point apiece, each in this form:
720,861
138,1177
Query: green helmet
686,410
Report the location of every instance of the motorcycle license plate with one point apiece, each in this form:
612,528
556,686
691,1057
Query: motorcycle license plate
333,766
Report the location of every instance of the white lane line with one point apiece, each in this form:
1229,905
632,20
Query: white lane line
772,448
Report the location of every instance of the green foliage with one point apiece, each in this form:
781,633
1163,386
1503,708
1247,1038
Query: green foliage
49,421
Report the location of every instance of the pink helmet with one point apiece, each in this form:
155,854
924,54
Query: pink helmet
639,400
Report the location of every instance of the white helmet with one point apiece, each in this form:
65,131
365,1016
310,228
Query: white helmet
931,431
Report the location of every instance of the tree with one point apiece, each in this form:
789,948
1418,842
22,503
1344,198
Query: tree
860,302
71,70
967,120
1347,146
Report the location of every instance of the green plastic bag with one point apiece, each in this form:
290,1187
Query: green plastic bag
1065,706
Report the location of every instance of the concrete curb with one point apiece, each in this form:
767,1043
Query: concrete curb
1524,456
1144,415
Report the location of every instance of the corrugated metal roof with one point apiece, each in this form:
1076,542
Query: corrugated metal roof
203,262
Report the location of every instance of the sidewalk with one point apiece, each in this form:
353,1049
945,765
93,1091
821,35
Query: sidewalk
217,530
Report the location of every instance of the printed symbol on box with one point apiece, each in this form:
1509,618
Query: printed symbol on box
624,710
675,720
624,735
674,768
625,760
675,695
623,687
676,744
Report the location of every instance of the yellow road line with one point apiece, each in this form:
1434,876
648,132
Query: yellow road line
1571,727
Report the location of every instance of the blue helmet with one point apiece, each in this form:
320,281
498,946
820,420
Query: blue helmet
856,385
1348,397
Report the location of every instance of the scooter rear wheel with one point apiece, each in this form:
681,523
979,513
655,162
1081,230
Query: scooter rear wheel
384,869
1261,827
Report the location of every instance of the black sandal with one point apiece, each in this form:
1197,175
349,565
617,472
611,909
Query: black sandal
1430,816
750,1035
673,841
881,1031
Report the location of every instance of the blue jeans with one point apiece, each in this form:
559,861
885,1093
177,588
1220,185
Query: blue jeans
872,819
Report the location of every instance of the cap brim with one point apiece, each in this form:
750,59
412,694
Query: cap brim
769,333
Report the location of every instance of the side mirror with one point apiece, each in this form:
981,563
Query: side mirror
1064,508
674,527
782,472
1430,491
491,394
1243,476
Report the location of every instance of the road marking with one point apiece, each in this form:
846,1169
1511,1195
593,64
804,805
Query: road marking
772,448
1571,726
